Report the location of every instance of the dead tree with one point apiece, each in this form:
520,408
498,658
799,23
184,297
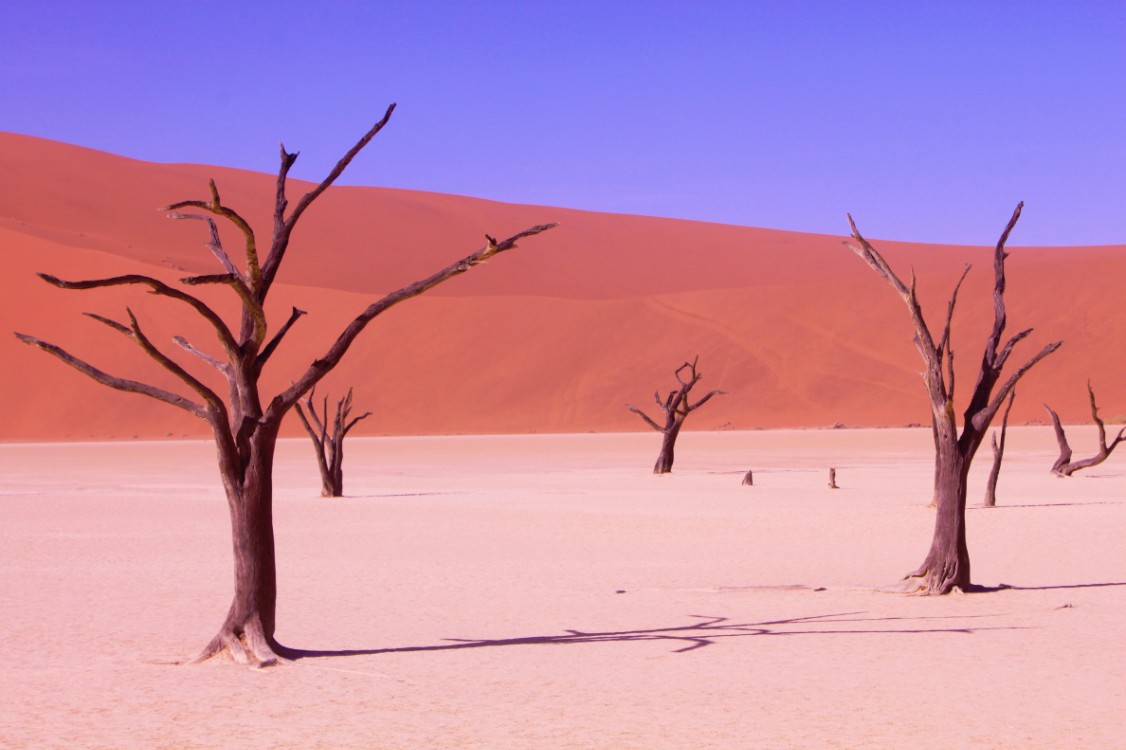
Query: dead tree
676,408
998,454
244,423
1064,466
947,564
329,446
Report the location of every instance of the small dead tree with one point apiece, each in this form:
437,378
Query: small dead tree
245,425
329,446
998,454
1064,466
676,408
947,564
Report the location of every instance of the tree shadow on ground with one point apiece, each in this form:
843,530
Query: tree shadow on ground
706,631
1046,505
1006,586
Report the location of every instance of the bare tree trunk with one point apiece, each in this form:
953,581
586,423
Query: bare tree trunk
1064,466
245,432
676,408
247,632
668,449
998,454
329,446
947,564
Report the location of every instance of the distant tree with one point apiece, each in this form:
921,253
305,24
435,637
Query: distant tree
998,455
245,425
329,446
947,564
1064,466
676,408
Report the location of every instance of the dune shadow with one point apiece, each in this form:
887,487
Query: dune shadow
706,631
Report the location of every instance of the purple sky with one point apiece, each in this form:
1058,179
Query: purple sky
928,121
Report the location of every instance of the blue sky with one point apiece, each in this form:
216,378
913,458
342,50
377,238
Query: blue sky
927,121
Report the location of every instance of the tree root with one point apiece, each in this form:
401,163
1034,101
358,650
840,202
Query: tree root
247,645
926,580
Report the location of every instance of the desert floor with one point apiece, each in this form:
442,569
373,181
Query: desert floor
549,592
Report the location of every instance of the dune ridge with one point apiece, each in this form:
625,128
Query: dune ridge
555,337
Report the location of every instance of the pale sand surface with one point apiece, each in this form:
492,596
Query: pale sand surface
548,592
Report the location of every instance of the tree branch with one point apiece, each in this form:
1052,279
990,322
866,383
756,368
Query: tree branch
215,206
249,302
223,367
1064,459
120,384
119,327
215,245
646,417
704,400
944,343
1063,466
1007,349
350,425
270,347
318,440
160,288
983,417
212,400
999,315
923,339
283,226
320,367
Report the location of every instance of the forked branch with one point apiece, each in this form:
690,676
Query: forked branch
1064,466
157,287
215,245
270,347
283,225
215,206
112,381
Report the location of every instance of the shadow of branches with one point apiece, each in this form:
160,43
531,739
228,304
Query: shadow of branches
705,631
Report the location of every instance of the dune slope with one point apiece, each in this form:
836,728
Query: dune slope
555,337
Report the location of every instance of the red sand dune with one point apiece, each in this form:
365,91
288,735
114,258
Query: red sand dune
555,337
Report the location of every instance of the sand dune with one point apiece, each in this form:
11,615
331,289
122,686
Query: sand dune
555,337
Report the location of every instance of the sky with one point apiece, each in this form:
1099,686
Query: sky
928,121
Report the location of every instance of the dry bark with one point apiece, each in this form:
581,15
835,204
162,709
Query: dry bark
946,566
329,445
1064,466
676,407
998,455
244,424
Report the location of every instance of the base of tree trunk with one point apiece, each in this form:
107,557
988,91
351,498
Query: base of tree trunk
937,579
246,644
